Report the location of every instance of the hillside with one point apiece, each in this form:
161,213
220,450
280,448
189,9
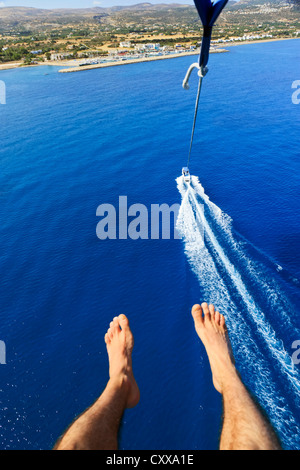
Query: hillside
27,33
144,14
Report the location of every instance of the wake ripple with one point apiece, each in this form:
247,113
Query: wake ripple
252,301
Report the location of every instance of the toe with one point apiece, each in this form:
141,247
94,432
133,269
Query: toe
212,311
109,334
213,316
222,322
116,324
123,321
206,311
197,315
217,318
114,328
127,333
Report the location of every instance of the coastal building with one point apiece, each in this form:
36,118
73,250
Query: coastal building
125,44
153,46
147,47
60,56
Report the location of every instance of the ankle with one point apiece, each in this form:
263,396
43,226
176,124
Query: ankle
120,382
231,381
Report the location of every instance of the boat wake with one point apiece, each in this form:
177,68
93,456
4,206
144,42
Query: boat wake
259,316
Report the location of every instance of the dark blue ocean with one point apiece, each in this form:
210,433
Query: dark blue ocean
71,142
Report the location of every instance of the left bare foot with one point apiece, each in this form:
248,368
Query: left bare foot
119,342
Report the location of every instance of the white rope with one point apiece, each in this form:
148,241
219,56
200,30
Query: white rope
202,72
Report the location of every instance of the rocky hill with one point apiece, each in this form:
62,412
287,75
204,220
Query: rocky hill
145,15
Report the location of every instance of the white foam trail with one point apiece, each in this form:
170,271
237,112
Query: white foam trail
268,285
201,246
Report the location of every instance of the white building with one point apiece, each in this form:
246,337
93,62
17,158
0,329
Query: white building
147,47
125,44
153,46
59,56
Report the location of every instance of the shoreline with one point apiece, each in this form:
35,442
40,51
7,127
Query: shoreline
171,56
245,43
133,61
76,68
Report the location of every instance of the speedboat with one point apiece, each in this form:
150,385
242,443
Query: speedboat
186,174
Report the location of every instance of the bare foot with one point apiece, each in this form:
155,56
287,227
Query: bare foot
119,342
211,329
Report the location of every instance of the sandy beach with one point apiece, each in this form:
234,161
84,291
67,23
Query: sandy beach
171,56
10,65
245,43
132,61
73,65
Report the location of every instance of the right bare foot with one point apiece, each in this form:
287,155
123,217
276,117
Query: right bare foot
211,329
119,342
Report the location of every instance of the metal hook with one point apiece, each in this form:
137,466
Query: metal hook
202,71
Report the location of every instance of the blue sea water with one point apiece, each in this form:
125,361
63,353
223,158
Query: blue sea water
70,142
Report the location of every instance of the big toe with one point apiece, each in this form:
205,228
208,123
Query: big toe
197,315
123,321
124,324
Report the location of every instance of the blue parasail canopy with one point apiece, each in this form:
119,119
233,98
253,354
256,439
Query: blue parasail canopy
209,11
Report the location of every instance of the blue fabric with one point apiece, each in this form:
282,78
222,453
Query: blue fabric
209,12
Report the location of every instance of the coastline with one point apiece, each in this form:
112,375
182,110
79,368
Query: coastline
171,56
133,61
245,43
71,67
10,65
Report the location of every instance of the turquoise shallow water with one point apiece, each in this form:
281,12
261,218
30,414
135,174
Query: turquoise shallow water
70,142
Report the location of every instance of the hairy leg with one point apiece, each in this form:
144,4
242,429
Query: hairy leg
97,428
245,426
